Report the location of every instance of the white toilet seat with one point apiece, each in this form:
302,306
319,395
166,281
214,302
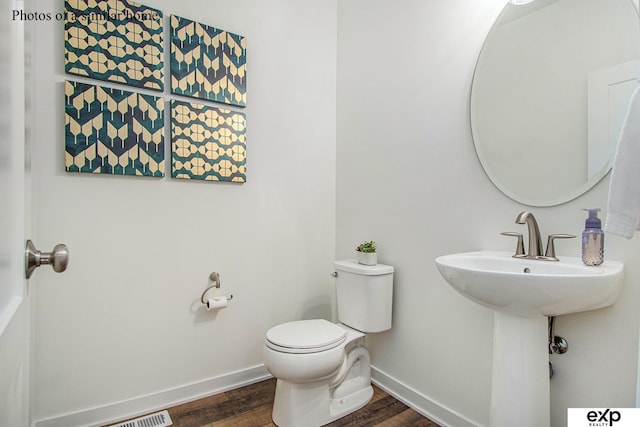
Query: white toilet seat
305,336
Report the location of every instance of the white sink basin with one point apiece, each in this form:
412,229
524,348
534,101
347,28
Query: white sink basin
527,287
522,292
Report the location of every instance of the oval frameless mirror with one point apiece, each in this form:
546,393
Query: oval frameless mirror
550,93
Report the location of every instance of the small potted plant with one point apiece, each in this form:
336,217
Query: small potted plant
366,253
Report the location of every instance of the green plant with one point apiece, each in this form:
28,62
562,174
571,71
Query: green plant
367,247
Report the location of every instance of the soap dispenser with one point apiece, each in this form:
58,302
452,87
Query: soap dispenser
592,239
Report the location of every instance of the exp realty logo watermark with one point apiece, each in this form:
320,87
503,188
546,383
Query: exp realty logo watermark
603,417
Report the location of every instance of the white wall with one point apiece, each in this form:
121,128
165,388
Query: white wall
125,319
408,178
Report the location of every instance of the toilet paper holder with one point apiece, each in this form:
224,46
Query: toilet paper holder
215,278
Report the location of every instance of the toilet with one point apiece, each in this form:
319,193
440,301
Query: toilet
322,368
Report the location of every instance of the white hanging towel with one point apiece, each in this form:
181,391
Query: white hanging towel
623,207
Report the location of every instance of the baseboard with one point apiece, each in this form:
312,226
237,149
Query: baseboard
131,408
114,412
419,402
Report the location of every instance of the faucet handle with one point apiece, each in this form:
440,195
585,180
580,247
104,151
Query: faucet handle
550,253
519,246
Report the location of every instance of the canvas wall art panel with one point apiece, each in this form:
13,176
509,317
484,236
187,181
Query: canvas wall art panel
112,131
207,143
115,40
208,63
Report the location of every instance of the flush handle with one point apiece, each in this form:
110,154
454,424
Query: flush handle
58,258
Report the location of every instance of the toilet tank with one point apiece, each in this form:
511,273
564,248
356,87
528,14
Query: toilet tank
364,294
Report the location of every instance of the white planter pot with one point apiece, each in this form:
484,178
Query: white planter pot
367,258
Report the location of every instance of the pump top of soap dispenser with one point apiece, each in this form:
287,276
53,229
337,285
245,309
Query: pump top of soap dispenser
593,221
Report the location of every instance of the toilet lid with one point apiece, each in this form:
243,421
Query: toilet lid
305,336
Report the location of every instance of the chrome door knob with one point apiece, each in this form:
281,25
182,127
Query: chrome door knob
58,258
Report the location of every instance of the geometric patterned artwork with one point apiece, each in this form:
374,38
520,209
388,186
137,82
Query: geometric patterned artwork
207,143
112,131
115,40
208,63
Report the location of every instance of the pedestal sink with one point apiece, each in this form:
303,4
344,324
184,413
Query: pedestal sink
523,292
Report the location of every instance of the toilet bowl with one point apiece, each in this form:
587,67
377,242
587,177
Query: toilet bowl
321,381
323,370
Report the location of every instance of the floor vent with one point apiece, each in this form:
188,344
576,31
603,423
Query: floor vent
159,419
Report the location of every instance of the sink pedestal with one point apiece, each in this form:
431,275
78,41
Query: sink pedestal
520,377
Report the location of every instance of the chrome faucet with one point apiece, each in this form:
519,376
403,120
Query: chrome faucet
535,240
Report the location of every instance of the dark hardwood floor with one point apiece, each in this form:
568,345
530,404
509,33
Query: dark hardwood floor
251,406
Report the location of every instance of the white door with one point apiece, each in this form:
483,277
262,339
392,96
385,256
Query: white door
14,199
